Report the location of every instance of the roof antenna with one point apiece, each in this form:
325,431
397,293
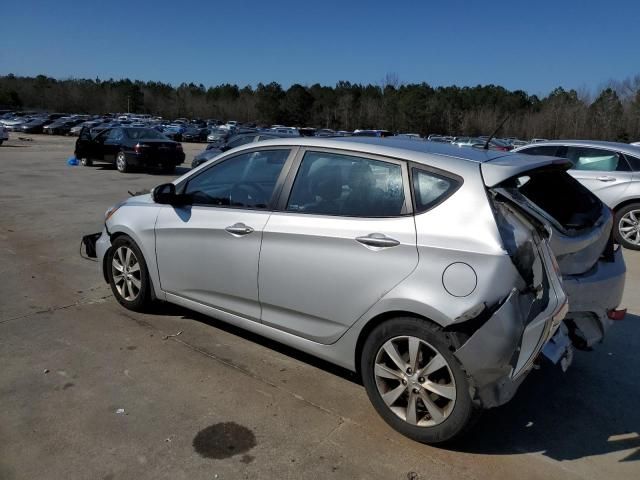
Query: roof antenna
486,144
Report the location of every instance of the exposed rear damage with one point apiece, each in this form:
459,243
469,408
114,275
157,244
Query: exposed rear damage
592,267
523,322
558,236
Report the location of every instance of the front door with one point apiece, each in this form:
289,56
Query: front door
208,252
342,240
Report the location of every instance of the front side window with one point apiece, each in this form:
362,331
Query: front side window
430,189
334,184
244,181
596,159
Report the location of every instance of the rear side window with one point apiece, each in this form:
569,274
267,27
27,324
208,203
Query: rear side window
596,159
429,189
634,162
334,184
548,150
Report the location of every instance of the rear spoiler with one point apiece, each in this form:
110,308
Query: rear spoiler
509,166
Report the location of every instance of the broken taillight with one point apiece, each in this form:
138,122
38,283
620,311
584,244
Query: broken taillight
614,314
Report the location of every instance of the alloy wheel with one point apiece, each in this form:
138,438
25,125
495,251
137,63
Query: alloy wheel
415,381
125,270
629,227
121,162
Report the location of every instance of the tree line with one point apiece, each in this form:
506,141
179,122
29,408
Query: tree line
611,114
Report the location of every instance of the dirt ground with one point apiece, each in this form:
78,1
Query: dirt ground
89,390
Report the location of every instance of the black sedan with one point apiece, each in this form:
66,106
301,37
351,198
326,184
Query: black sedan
61,126
195,134
34,126
129,147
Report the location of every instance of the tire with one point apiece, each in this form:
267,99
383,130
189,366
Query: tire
86,162
446,418
130,295
121,163
627,226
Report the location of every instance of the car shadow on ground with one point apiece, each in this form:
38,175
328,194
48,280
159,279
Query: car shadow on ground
592,409
186,314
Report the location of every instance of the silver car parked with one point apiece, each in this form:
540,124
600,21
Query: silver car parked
359,251
611,171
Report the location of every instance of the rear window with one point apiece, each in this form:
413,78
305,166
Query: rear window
560,197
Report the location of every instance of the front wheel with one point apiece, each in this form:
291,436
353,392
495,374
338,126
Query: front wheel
121,163
627,226
128,275
414,381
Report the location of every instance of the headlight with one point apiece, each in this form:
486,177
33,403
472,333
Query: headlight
109,213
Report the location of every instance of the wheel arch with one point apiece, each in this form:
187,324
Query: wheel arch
624,203
378,320
151,266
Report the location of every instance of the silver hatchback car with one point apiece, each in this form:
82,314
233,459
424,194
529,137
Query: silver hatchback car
426,268
611,171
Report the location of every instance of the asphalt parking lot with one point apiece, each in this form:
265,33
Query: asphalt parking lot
91,390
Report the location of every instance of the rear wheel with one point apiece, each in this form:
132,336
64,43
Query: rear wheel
414,381
128,275
627,226
121,163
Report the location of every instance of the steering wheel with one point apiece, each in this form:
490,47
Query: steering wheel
258,197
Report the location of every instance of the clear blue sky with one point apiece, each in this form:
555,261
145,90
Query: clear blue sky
533,45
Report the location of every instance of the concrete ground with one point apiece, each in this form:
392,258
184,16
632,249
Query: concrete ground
89,390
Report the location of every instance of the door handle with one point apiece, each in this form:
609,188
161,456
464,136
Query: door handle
606,179
378,240
239,229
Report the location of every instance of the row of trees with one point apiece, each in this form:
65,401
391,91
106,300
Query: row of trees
612,114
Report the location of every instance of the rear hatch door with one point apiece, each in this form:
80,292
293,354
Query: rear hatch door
580,223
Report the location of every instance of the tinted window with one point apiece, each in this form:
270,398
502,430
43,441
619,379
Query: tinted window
634,162
429,189
236,142
245,181
332,184
596,159
148,133
115,134
549,150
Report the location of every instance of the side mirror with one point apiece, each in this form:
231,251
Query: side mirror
166,194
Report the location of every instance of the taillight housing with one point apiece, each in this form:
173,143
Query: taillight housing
178,146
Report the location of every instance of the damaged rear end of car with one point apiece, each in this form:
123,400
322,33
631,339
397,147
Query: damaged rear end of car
502,343
581,238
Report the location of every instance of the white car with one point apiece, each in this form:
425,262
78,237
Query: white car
4,135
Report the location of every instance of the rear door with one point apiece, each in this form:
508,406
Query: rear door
343,237
112,144
605,172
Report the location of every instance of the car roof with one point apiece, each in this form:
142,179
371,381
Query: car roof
623,147
497,166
